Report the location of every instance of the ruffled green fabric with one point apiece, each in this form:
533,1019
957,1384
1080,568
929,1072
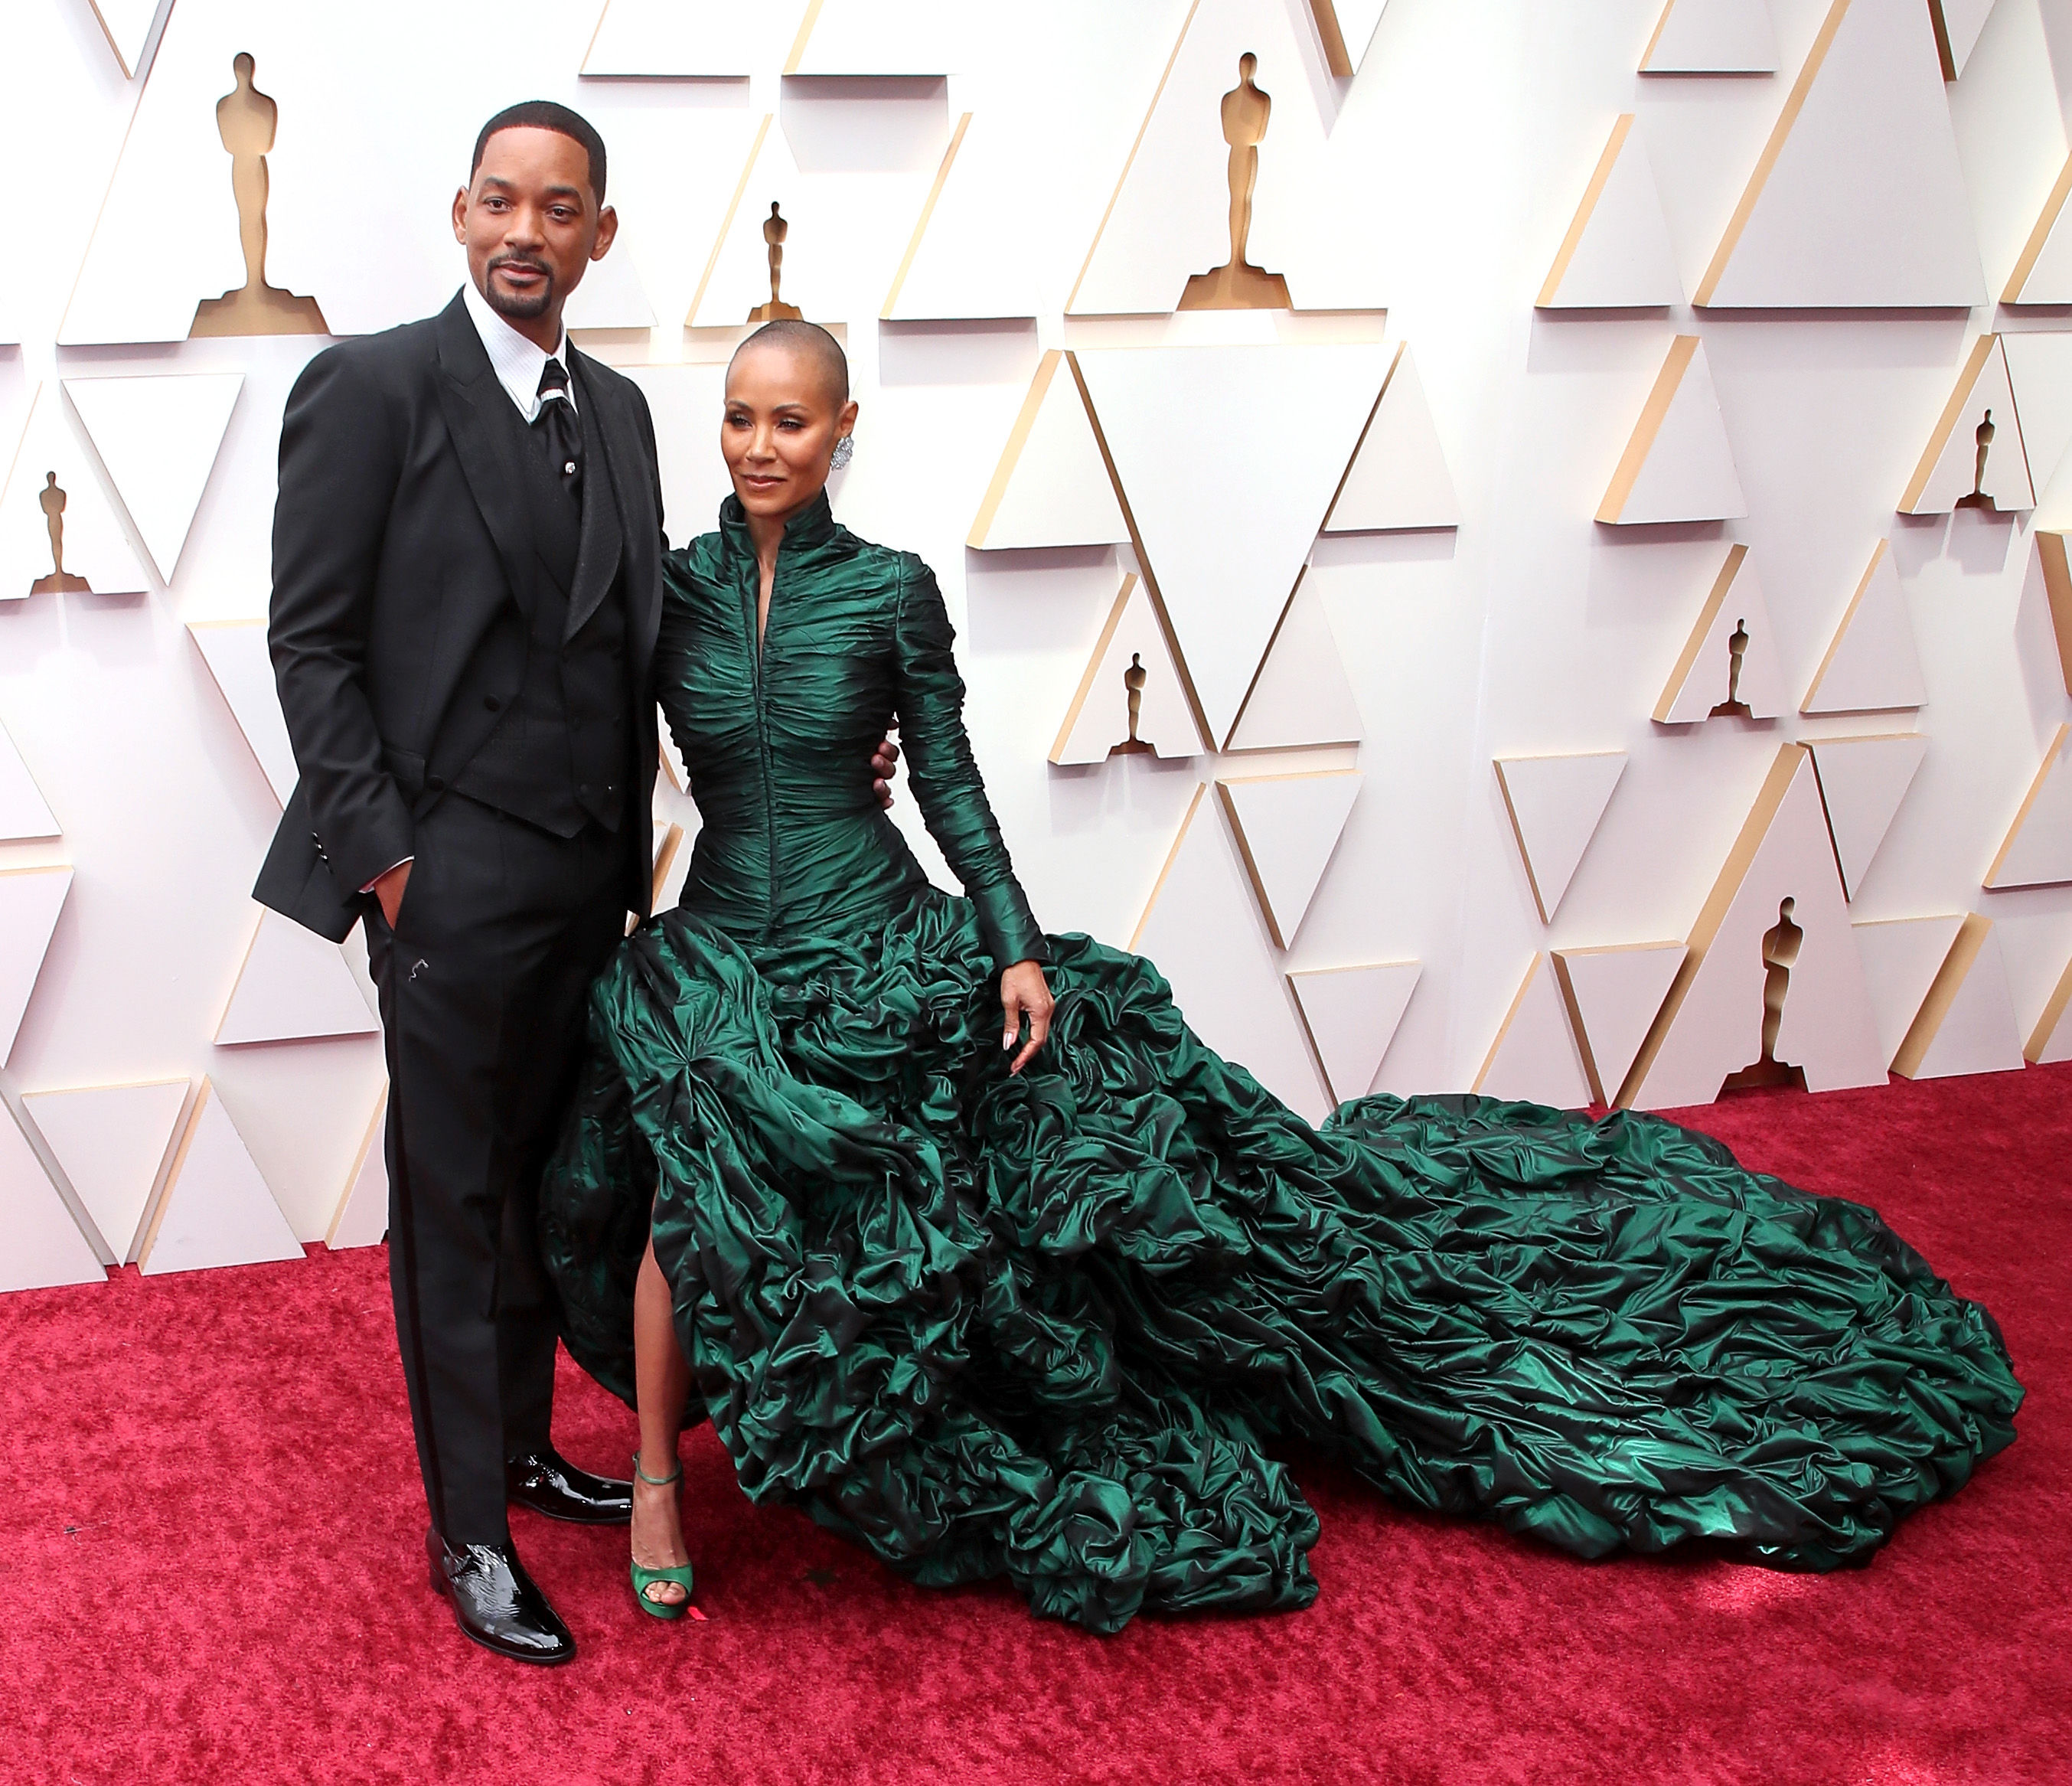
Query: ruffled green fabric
1044,1327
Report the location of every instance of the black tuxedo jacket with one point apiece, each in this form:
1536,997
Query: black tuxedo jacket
403,566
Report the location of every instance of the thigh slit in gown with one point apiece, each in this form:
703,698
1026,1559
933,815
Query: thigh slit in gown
1049,1326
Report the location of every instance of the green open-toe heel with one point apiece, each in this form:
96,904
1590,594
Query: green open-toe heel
645,1578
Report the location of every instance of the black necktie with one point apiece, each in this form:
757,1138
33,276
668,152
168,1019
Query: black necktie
563,426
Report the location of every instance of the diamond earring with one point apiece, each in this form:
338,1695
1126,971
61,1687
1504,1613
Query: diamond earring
845,451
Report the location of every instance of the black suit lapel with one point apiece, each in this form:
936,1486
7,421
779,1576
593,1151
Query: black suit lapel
614,447
494,478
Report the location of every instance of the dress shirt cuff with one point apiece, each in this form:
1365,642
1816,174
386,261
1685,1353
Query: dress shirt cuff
390,869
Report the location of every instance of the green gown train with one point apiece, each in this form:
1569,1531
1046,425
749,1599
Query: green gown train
1048,1325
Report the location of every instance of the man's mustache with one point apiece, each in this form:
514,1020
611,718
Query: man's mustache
499,263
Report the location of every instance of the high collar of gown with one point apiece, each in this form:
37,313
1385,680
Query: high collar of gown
813,526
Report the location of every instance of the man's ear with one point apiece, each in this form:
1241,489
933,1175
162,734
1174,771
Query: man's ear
460,216
608,232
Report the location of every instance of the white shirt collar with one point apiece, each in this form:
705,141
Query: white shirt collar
516,361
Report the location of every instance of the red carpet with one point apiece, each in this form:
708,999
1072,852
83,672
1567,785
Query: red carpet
212,1571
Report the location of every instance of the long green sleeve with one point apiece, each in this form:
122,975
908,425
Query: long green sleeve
930,696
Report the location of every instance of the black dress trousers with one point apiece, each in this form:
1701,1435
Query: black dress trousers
483,980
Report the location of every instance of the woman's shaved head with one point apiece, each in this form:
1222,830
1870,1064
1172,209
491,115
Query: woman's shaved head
812,344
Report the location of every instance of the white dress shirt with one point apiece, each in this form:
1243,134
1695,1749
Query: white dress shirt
517,364
516,361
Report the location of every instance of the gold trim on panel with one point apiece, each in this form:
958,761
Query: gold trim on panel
2050,755
727,223
1688,658
1584,211
1968,378
1367,428
2052,1014
1010,455
1942,991
1115,611
1794,103
927,211
1682,351
1165,868
1337,57
2033,249
806,25
1769,800
1842,630
372,1139
1503,1029
1150,112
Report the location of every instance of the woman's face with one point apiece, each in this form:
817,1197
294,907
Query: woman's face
780,424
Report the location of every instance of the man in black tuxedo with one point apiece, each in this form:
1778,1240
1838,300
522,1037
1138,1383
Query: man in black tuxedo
467,589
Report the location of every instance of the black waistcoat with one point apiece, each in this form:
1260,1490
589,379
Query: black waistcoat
561,755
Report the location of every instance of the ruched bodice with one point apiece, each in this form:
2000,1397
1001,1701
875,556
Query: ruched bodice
1048,1325
777,740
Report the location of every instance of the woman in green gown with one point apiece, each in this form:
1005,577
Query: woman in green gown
1040,1310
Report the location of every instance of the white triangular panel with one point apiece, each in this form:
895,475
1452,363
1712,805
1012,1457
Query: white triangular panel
611,295
2043,274
2040,367
1949,468
688,39
1966,1024
966,257
31,899
1613,994
1287,827
1202,931
237,658
1098,719
2050,1039
1858,199
1052,487
215,1209
1555,803
1399,477
1617,254
158,437
1534,1058
1711,1026
1346,28
1703,674
1872,664
127,24
737,276
42,1245
1302,695
1862,782
293,986
1960,21
1352,1013
1169,217
2038,849
1225,514
1901,957
110,1141
880,37
1711,37
95,546
362,1219
24,812
1679,465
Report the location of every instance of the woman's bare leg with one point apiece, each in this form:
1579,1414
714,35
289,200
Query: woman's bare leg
662,1382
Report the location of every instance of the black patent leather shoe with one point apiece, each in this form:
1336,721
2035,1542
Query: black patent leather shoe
546,1482
496,1603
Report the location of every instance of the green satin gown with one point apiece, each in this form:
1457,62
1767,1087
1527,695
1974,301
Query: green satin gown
1049,1326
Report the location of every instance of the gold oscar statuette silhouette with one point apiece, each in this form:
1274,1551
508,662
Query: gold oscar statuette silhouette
1133,679
1983,437
775,228
1237,284
245,119
1780,953
50,499
1737,650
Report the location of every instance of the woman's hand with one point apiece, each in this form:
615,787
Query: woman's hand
1023,993
884,766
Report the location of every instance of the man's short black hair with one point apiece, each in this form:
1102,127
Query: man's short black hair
545,114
